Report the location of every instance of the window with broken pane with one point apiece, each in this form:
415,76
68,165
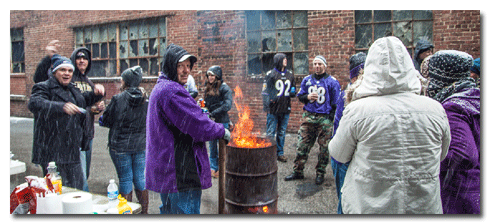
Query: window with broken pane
271,32
118,46
17,53
408,25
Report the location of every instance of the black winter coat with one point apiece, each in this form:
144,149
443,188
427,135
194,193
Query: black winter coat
219,106
57,135
421,46
126,117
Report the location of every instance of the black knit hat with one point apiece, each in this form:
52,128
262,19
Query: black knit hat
132,76
357,59
449,66
356,63
445,68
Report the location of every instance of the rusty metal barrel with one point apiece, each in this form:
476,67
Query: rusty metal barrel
251,180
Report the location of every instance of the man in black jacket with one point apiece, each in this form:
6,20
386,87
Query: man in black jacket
278,89
82,61
60,120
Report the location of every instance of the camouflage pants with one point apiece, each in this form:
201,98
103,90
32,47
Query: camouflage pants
314,126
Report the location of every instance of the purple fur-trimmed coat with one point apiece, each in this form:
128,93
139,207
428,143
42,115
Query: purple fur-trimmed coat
460,170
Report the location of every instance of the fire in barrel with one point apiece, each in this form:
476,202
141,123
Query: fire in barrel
251,168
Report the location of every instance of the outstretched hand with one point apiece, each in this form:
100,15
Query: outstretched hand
52,48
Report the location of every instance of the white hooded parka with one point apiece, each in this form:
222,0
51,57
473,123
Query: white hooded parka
394,138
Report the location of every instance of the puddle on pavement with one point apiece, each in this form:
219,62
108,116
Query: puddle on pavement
307,189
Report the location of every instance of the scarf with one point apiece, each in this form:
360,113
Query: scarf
439,92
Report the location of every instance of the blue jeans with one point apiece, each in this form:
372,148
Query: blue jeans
278,122
130,168
187,202
213,151
85,159
339,171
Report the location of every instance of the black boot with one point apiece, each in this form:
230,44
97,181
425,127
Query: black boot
319,179
294,176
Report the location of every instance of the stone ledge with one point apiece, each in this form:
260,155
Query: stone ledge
18,97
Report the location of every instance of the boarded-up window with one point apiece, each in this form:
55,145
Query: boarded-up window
271,32
408,25
116,47
17,64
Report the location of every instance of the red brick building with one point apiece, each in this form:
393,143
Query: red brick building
242,42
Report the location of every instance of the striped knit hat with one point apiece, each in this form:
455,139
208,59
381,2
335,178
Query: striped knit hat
322,59
58,61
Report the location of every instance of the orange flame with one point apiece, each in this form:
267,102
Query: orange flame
242,133
265,209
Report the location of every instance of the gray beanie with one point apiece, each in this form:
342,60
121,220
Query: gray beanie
132,76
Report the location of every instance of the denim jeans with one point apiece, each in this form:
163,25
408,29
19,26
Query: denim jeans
187,202
339,171
130,168
213,151
85,160
278,122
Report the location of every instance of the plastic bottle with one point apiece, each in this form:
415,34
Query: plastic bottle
112,193
54,177
123,207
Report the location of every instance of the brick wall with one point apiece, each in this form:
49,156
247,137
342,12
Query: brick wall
218,38
457,30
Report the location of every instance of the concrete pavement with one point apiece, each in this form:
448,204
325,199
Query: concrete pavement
295,197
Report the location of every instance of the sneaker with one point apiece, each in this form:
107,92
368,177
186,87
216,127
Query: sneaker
282,159
294,176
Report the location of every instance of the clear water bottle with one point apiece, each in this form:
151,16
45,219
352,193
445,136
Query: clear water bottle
54,177
112,193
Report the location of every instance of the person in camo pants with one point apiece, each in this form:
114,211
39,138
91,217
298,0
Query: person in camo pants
318,92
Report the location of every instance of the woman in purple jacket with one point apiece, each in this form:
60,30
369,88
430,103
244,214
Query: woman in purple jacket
451,85
177,163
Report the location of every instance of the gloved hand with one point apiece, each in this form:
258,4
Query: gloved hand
227,136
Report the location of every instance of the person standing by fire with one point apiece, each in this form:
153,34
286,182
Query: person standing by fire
319,92
279,87
177,163
218,98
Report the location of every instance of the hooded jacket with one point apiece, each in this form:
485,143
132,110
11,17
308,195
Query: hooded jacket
177,129
219,105
394,138
126,117
82,82
421,46
57,135
278,88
